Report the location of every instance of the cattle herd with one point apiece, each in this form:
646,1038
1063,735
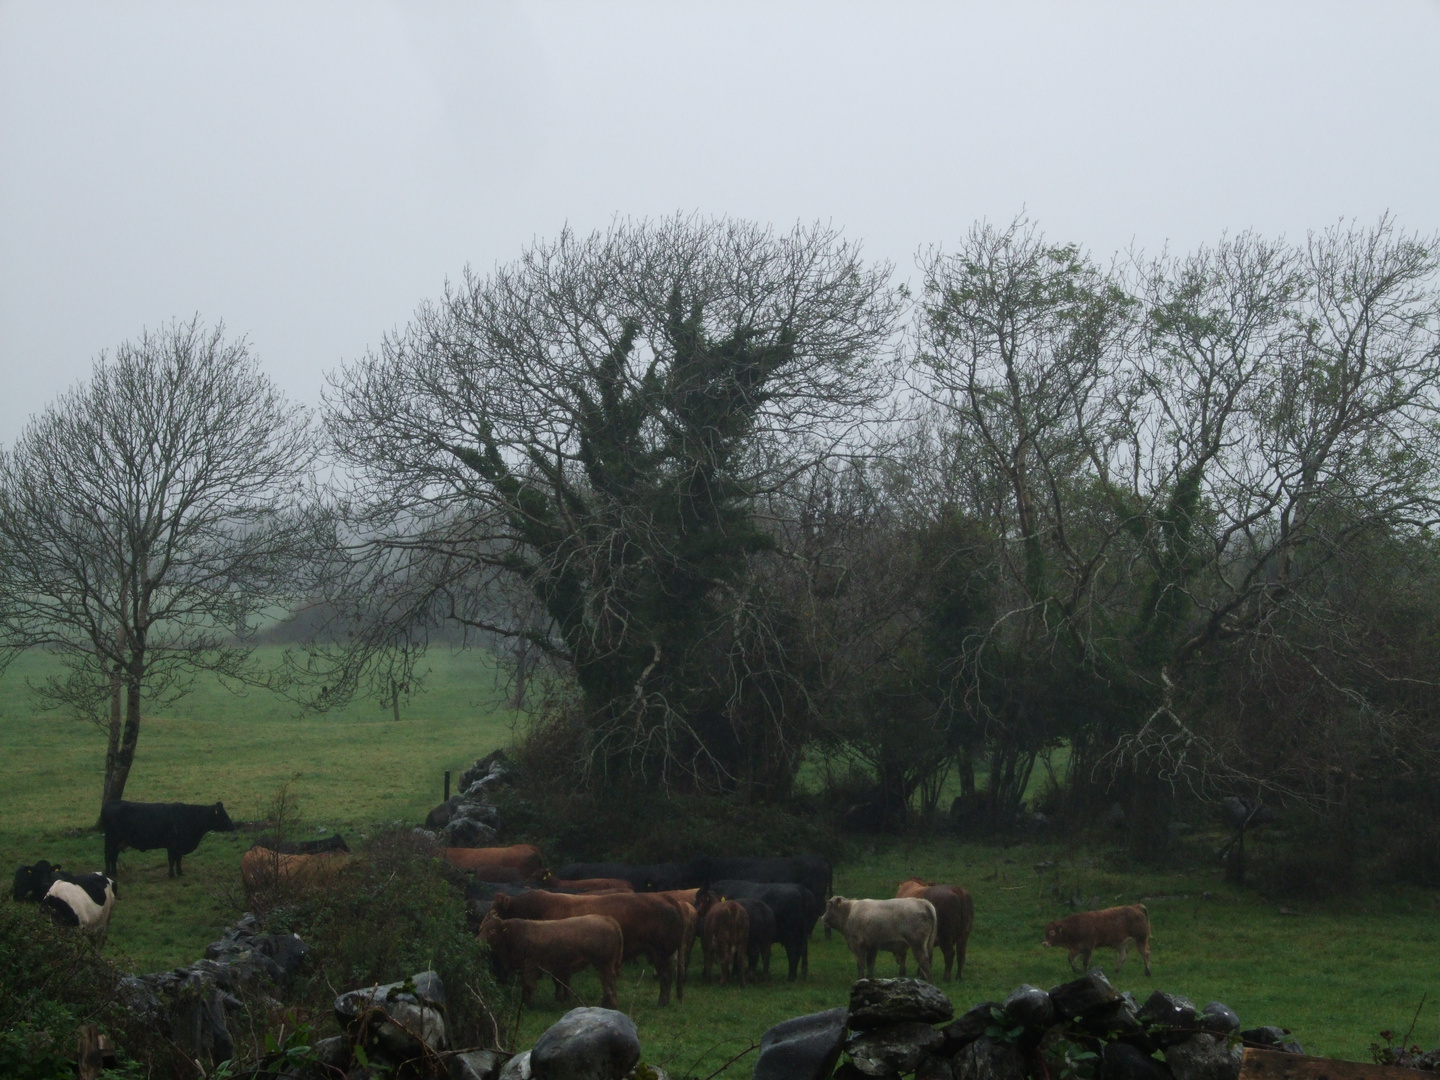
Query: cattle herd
539,921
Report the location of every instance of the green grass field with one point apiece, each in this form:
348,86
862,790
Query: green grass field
1336,973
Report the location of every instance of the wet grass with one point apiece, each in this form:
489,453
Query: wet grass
1337,973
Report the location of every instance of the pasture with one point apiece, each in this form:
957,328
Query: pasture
1336,973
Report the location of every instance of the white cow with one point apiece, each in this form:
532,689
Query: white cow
893,925
85,901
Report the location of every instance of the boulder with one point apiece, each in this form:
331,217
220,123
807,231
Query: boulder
517,1068
1088,994
1169,1010
474,1065
332,1054
397,1017
246,955
1121,1061
969,1026
984,1060
876,1002
468,832
586,1044
805,1048
1030,1007
1219,1018
894,1049
1276,1038
1205,1057
496,763
935,1067
1118,1021
439,817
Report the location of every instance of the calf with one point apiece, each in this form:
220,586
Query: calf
558,948
263,870
1111,928
893,925
176,827
724,937
34,881
954,914
303,847
522,857
791,905
653,926
85,901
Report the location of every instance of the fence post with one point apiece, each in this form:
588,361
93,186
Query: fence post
447,786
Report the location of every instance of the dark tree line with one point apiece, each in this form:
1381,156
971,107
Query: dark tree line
1150,531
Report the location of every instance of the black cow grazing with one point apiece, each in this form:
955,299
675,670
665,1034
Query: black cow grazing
176,827
791,905
811,872
33,882
303,847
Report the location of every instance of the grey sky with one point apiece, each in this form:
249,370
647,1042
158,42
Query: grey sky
309,171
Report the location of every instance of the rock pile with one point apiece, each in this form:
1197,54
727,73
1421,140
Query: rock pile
471,819
191,1004
1082,1027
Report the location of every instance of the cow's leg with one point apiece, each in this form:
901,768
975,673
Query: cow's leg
922,962
1123,951
805,958
1072,956
663,972
900,955
1145,953
609,976
679,979
112,856
960,947
529,976
1085,960
859,961
870,953
947,950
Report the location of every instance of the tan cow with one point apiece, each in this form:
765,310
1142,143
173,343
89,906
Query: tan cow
954,914
893,925
1112,928
263,870
523,857
558,948
724,938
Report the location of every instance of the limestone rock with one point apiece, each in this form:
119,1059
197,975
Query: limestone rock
397,1017
517,1068
804,1048
984,1060
894,1049
586,1044
1088,994
474,1065
1169,1010
1205,1057
467,832
1029,1006
969,1026
935,1067
1121,1061
1219,1018
874,1002
1278,1038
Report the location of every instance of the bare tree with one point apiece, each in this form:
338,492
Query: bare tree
147,517
597,424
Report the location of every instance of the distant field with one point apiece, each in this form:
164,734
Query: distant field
1337,973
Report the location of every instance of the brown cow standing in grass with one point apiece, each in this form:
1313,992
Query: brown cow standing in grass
558,949
264,871
724,938
545,879
954,915
653,926
1111,928
522,857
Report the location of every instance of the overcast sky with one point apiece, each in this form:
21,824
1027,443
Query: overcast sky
308,172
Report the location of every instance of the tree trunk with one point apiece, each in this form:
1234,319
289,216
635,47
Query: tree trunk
395,699
518,701
125,758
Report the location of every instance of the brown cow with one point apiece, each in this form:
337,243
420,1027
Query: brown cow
558,949
545,879
500,875
1112,928
724,938
686,899
262,870
653,925
523,857
955,916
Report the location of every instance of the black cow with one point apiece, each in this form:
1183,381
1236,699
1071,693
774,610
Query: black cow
811,872
303,847
176,827
791,905
32,882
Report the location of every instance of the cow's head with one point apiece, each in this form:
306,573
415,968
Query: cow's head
1052,933
491,927
543,876
221,821
704,901
837,912
503,906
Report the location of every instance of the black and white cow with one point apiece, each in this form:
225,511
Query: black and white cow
176,827
84,901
